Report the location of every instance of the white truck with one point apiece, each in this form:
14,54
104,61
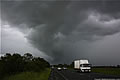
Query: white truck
82,65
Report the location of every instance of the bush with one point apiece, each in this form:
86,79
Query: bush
12,64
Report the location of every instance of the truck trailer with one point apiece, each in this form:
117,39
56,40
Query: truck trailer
82,65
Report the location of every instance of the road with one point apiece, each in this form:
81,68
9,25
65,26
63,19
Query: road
74,75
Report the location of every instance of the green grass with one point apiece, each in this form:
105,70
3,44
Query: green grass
30,76
110,71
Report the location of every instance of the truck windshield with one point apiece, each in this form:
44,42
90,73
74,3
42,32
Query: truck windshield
86,65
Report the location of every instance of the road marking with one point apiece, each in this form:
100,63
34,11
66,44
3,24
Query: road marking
62,75
82,74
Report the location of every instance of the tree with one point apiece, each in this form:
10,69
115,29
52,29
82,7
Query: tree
28,56
12,64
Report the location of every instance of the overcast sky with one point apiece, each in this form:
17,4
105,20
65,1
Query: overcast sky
62,31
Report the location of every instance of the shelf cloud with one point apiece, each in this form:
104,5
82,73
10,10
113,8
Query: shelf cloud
67,30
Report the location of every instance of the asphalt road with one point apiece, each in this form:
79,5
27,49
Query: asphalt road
74,75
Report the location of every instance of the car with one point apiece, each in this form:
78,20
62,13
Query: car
59,68
64,68
52,67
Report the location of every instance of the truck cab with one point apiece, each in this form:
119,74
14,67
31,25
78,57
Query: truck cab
85,67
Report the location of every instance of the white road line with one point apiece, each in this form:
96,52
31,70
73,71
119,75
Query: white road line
61,75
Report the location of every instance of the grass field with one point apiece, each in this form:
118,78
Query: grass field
110,71
30,76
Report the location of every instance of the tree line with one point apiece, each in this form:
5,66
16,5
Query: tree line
15,63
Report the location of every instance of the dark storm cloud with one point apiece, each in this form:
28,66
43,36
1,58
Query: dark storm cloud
63,29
